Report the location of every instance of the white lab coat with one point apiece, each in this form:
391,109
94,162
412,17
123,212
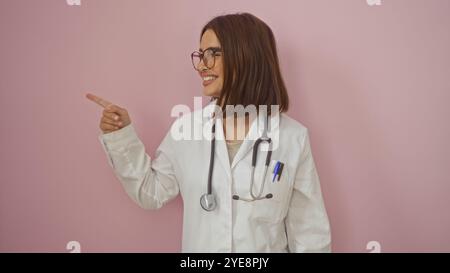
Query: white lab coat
294,220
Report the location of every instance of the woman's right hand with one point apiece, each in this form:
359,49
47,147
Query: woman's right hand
114,117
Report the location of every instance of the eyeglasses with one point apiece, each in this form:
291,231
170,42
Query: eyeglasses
208,56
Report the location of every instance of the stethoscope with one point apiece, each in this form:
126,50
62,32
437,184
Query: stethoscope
208,200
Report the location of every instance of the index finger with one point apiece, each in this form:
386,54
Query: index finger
102,102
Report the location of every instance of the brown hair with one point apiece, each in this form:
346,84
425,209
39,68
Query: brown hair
251,68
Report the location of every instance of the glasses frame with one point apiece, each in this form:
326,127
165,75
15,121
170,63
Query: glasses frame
201,54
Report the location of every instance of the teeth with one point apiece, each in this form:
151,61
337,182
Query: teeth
209,78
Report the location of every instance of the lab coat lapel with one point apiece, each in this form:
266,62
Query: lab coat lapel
221,148
256,131
246,145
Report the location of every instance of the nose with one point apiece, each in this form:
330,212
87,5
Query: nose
201,66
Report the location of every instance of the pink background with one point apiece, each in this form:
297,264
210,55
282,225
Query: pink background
370,82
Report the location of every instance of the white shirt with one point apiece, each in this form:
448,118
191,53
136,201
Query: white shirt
294,220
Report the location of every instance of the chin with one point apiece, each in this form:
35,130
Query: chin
210,93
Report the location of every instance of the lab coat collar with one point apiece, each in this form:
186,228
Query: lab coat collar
255,131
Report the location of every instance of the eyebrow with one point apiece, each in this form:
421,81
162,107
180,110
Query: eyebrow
213,48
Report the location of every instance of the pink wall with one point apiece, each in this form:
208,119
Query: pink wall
370,82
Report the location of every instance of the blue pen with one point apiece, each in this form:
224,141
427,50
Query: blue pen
275,170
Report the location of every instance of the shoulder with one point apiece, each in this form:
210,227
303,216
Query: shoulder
189,125
186,115
292,127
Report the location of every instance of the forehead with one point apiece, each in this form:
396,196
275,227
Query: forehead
209,39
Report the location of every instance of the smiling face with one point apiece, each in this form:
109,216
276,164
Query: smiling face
212,77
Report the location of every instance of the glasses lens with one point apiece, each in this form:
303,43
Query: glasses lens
209,58
195,59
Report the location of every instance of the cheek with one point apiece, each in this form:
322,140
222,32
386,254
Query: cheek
220,74
219,84
219,69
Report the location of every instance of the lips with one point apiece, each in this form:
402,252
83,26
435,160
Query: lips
208,79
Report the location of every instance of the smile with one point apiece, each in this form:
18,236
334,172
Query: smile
207,80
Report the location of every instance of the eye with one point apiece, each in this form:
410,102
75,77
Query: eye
208,52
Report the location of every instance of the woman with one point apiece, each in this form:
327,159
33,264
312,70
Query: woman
275,206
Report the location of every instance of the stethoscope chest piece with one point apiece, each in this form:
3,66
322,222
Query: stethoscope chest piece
208,202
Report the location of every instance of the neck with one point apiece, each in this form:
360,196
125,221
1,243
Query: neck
236,128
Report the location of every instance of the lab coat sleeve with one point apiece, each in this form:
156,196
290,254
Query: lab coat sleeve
149,182
307,224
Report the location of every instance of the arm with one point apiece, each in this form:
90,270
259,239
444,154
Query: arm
307,225
149,182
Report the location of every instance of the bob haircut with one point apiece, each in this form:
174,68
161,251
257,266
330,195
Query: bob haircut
252,74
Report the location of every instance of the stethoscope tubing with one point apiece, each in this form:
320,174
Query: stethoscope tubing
207,201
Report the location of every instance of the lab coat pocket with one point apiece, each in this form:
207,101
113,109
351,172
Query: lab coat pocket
272,209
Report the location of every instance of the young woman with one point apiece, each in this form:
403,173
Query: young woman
254,192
